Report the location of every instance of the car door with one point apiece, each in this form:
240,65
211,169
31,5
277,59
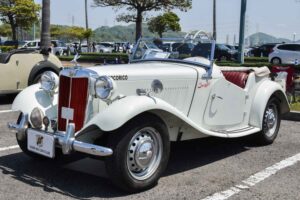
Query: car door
288,53
226,105
298,52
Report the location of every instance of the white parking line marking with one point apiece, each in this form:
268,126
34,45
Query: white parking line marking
6,111
9,148
254,179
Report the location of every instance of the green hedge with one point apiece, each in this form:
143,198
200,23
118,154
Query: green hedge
98,58
104,54
7,48
256,59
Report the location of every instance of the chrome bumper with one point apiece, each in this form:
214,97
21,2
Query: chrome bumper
66,141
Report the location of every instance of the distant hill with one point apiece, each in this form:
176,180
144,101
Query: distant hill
126,33
262,38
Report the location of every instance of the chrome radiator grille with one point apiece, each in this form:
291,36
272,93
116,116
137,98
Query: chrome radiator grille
73,94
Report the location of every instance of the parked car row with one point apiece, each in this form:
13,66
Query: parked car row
222,51
285,54
58,47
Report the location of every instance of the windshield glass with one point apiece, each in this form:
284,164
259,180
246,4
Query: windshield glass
171,48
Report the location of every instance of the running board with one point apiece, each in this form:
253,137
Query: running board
235,131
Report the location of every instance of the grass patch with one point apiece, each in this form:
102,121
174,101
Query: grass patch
295,106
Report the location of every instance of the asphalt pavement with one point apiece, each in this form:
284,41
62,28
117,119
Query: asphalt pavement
210,168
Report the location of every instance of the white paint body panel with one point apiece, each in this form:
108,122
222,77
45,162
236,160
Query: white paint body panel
189,104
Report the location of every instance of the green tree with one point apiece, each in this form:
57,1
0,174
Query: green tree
57,31
18,13
164,23
78,33
5,30
137,9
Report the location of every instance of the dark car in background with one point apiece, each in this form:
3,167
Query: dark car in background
222,52
13,43
263,50
183,48
232,47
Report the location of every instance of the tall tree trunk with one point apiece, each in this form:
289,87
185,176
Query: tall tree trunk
13,27
14,32
214,21
45,33
139,21
160,35
87,24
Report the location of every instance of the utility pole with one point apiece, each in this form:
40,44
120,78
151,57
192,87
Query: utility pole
214,21
45,32
242,31
87,23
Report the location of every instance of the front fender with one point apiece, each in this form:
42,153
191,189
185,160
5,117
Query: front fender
264,92
123,110
32,97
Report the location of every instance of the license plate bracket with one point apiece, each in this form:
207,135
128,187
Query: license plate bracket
41,143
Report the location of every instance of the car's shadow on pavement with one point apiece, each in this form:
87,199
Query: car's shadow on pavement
7,99
54,176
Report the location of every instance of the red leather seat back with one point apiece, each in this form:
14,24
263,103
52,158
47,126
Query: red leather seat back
238,78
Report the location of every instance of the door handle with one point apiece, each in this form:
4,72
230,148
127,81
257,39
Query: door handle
215,96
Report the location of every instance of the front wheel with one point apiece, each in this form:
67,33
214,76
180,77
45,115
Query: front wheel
271,123
141,153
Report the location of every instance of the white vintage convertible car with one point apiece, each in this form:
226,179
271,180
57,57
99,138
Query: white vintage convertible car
128,114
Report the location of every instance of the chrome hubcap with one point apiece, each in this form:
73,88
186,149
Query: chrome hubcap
144,153
271,116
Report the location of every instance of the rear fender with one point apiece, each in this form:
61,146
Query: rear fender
265,91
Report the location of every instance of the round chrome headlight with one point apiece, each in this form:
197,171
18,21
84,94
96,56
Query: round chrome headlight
36,118
49,81
104,87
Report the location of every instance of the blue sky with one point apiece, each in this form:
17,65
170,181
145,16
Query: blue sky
280,18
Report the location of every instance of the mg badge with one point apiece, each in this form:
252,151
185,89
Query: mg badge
39,140
72,73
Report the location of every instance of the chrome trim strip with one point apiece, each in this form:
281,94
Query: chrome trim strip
248,128
176,61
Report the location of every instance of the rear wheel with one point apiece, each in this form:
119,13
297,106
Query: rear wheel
141,153
271,123
276,61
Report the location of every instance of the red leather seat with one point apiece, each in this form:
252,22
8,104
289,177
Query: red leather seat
238,78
